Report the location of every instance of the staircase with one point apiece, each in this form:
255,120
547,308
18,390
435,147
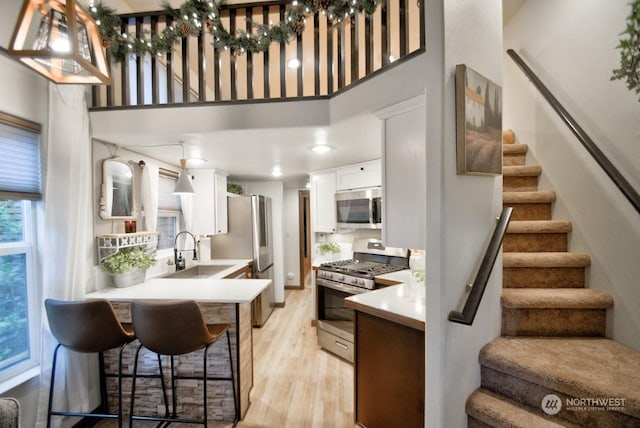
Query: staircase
553,327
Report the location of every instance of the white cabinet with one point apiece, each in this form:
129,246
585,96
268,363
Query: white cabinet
358,176
323,212
404,200
209,202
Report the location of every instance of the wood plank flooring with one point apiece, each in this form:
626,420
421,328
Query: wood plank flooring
296,384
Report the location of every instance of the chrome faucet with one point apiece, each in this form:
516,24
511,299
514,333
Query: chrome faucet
181,266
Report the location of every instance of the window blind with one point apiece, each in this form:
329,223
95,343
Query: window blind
20,176
166,199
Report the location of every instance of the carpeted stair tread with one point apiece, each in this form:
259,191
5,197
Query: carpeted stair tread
578,367
508,137
537,197
521,171
556,298
514,149
551,259
539,226
498,411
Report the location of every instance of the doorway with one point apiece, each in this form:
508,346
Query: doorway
304,222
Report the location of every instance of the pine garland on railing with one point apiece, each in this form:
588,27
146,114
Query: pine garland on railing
194,16
630,51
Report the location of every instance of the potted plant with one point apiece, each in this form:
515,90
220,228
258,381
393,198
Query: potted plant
128,266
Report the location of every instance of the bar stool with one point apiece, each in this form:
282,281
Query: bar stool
175,328
87,327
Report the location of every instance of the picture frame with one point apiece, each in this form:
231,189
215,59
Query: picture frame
478,123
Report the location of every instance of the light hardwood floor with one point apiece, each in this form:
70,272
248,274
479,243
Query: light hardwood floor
296,384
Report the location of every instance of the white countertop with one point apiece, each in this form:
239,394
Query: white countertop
212,289
403,303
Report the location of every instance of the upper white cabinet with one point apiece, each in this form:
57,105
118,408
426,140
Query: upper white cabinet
404,200
209,202
358,176
323,211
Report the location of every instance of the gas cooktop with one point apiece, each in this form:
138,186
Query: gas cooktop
362,269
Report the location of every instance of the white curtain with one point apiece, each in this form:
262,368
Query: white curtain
67,250
150,178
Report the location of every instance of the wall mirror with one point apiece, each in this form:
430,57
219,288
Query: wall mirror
117,200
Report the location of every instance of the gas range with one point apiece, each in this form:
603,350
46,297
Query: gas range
370,259
355,272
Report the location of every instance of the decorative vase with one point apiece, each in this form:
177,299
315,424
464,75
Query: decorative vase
127,279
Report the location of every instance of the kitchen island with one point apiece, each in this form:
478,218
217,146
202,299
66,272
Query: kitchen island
221,301
389,353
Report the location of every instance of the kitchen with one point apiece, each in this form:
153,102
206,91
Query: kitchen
358,218
29,99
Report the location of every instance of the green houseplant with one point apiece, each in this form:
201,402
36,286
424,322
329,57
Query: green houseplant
329,247
128,266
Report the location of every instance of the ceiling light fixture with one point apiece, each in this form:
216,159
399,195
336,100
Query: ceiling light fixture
60,40
276,172
183,185
321,148
196,161
293,63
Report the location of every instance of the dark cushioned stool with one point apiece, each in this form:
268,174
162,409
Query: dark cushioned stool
87,327
175,328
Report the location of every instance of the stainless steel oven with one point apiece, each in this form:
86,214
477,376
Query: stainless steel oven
335,320
338,280
359,209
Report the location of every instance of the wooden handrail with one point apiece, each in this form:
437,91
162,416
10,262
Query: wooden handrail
475,289
614,174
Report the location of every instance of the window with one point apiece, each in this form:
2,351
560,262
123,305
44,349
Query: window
169,214
19,289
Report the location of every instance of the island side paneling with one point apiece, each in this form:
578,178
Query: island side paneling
220,394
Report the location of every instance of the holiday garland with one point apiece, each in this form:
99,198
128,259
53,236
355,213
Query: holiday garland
195,16
630,51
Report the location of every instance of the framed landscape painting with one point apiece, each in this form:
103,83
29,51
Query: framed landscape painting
478,123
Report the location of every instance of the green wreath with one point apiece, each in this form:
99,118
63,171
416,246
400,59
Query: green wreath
630,51
194,16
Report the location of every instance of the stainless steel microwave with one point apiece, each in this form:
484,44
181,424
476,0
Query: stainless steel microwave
359,209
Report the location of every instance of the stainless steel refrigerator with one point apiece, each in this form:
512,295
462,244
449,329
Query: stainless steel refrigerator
249,237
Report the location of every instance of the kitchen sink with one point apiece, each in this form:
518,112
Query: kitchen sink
201,271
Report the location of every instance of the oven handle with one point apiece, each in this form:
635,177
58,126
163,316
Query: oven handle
341,287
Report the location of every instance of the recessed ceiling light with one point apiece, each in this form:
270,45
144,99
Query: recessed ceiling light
321,148
276,172
293,63
391,58
196,161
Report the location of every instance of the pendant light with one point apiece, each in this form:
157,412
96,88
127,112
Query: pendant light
60,40
183,185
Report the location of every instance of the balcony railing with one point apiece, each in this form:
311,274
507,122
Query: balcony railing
332,57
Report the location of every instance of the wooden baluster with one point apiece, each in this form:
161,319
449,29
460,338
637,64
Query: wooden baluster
329,58
316,55
124,71
404,27
155,90
385,33
232,57
249,16
202,96
139,66
355,42
186,86
265,58
283,60
169,69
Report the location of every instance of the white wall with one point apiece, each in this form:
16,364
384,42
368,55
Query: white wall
291,237
461,210
24,94
575,62
274,190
